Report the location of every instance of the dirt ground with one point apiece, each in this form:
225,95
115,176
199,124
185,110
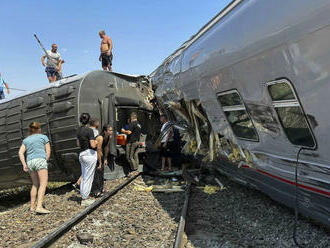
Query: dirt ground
21,228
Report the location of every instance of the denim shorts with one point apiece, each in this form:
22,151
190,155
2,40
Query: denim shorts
37,164
51,71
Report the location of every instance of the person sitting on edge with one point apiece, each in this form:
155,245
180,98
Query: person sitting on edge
87,157
3,85
103,143
37,149
53,65
106,51
133,138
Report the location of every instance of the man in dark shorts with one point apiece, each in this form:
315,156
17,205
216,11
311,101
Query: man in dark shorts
166,143
133,138
106,51
53,65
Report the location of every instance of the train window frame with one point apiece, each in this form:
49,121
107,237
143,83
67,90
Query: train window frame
239,107
293,103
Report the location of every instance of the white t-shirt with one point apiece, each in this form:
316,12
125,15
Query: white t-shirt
95,131
167,133
54,58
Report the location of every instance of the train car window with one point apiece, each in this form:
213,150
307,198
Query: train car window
237,115
290,113
280,92
230,99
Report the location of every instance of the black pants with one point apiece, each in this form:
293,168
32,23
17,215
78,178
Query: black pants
98,182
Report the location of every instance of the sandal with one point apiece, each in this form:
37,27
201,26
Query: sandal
42,211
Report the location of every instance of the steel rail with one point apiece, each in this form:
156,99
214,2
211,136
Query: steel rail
178,239
65,227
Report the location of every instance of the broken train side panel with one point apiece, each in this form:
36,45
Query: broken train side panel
261,82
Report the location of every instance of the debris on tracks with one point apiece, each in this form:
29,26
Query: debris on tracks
131,219
85,238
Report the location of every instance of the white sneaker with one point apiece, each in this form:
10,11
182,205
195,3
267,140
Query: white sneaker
87,202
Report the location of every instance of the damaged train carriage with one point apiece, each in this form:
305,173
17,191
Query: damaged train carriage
109,97
251,84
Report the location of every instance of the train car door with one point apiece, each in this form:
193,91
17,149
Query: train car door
108,116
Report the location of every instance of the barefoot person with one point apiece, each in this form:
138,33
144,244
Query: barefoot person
106,51
53,65
87,158
37,149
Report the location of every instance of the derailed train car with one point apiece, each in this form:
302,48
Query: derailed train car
109,97
253,84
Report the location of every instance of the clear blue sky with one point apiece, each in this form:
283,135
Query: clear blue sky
144,32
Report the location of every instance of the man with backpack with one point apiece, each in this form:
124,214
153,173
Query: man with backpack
3,85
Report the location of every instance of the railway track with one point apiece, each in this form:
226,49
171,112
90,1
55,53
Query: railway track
58,232
127,217
180,235
240,217
118,219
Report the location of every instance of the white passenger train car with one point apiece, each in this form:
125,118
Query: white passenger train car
261,73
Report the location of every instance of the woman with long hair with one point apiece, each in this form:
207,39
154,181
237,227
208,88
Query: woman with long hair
37,149
103,142
87,157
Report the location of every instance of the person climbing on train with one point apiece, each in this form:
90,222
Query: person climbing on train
3,85
87,158
166,143
106,51
53,64
103,143
37,149
133,138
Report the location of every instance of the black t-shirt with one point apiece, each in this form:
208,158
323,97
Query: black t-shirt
135,128
84,135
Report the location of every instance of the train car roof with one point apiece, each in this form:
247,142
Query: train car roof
202,31
70,79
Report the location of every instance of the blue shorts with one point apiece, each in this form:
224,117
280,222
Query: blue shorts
51,71
2,94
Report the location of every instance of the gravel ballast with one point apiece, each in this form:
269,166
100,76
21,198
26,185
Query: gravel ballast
131,218
242,217
236,216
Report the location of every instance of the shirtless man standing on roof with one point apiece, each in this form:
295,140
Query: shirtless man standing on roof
106,51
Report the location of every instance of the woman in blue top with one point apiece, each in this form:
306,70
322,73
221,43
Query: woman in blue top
37,149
